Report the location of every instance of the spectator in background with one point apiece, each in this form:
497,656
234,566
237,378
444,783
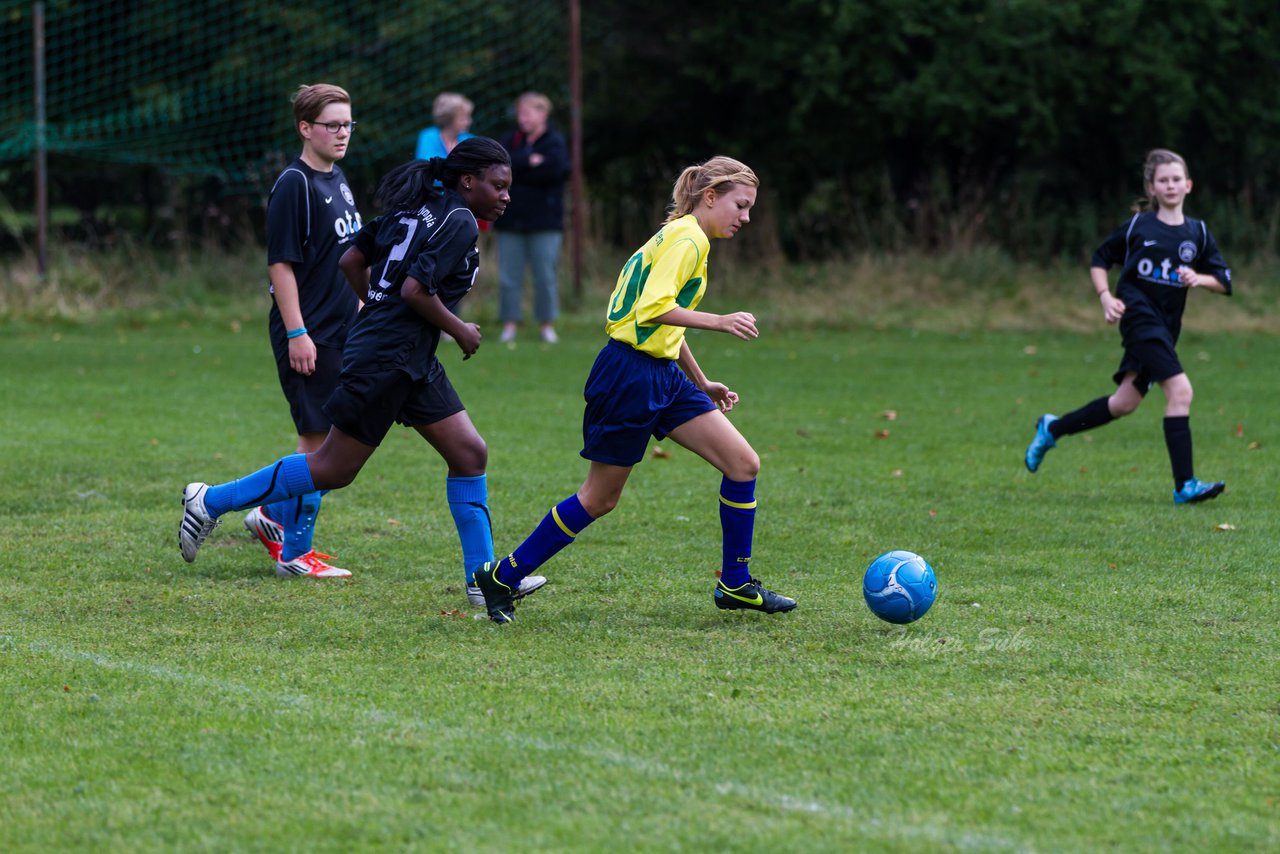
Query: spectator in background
531,231
451,115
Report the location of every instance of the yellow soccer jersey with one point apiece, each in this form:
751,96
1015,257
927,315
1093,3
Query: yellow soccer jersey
668,271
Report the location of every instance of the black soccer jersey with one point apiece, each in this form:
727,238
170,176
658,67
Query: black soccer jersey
435,244
1150,253
311,219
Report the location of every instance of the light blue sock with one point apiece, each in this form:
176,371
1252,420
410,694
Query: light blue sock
283,512
285,478
298,518
469,504
301,526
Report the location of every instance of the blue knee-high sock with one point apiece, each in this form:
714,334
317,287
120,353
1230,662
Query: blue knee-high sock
285,478
284,512
469,504
737,523
298,517
556,530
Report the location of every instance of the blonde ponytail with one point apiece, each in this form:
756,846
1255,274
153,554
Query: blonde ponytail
717,173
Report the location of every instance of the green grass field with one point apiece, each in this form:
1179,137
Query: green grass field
1099,672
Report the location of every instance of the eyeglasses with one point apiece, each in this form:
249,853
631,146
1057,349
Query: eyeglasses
334,127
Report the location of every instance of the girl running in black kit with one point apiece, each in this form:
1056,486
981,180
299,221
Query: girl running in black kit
1163,254
411,266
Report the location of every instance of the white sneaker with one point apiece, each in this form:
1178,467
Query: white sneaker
508,335
268,531
196,521
549,335
310,565
528,584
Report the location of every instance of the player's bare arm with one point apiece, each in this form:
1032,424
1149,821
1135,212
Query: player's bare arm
741,324
356,268
719,393
1112,307
431,309
1192,279
302,350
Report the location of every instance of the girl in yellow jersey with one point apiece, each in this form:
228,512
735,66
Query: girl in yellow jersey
645,382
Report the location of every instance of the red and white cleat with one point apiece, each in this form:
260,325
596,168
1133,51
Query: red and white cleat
310,565
268,531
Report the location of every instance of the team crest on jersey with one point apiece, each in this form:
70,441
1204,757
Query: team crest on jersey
1187,251
346,194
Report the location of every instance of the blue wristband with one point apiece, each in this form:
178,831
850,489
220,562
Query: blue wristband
296,333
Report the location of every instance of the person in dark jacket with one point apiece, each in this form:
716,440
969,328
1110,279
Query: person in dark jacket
530,233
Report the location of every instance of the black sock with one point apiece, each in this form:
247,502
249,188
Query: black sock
1095,413
1177,436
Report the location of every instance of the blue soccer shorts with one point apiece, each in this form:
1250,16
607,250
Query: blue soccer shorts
630,397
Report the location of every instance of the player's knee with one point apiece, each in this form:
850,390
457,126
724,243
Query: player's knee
329,473
466,456
599,505
471,459
1179,392
1121,405
342,476
745,467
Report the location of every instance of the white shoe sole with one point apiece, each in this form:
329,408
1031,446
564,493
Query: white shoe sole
283,571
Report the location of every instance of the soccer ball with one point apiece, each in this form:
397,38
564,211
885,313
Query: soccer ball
899,586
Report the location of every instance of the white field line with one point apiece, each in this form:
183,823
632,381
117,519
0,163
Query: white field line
170,674
861,824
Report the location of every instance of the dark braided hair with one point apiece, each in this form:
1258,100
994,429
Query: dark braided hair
412,184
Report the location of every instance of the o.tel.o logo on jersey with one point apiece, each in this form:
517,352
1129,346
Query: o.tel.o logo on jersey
1186,250
345,226
346,194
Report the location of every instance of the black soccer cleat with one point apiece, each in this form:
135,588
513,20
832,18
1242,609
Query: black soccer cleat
499,599
752,596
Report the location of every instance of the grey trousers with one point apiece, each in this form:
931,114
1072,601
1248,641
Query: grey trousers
540,251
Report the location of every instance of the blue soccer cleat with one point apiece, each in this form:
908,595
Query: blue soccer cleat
1042,442
1197,490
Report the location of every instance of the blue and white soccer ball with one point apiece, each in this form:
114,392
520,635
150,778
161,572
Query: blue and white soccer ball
899,586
